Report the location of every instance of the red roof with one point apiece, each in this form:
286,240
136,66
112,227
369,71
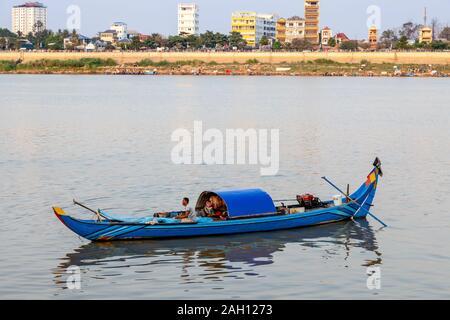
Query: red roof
30,5
342,36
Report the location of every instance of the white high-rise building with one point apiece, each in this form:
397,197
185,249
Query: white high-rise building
29,17
188,19
121,30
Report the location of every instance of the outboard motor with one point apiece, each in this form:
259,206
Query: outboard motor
309,201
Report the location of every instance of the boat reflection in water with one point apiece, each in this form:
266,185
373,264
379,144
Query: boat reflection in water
214,258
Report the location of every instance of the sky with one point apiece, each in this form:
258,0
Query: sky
151,16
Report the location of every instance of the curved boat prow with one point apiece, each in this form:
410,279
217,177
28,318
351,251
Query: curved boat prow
59,212
365,194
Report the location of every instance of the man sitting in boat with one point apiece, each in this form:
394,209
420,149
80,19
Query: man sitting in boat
187,215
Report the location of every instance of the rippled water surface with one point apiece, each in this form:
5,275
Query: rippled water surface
106,140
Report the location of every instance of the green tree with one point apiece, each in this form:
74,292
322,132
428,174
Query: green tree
208,39
332,42
300,44
54,41
419,45
156,41
277,45
264,41
75,38
235,39
193,41
6,33
439,45
3,43
402,44
409,30
221,39
38,27
351,45
135,44
178,42
445,34
388,38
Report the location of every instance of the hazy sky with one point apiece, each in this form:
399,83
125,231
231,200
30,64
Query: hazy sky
149,16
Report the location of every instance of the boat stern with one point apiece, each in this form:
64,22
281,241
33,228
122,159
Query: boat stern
83,228
59,213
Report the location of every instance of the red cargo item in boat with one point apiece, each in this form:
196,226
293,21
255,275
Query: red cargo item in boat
309,201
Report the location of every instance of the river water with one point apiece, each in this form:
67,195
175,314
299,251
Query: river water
107,140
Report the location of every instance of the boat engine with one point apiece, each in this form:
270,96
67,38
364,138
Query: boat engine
309,201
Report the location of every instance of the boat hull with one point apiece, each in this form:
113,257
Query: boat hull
106,231
125,231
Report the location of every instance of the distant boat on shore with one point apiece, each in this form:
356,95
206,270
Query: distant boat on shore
150,72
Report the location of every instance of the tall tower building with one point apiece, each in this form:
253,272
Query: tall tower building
281,30
188,19
29,17
425,33
373,38
312,14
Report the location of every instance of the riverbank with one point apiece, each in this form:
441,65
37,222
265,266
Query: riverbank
318,67
441,58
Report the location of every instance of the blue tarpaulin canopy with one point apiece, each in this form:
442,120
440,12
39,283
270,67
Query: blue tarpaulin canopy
242,202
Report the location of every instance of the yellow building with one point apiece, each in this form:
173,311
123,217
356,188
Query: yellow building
245,23
281,30
108,36
254,26
373,38
426,35
312,13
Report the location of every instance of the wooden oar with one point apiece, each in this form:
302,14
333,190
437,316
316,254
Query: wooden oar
98,214
353,201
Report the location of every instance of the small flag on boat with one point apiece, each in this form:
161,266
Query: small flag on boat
377,164
371,178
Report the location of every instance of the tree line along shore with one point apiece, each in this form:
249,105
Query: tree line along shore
198,63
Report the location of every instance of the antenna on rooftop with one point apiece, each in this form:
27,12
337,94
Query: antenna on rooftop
425,17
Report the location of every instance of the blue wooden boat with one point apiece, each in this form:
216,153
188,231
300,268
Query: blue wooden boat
249,210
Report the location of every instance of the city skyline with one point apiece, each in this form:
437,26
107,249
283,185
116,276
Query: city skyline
217,16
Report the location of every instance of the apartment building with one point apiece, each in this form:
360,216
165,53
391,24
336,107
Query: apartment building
254,26
121,30
29,17
295,28
312,14
188,19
